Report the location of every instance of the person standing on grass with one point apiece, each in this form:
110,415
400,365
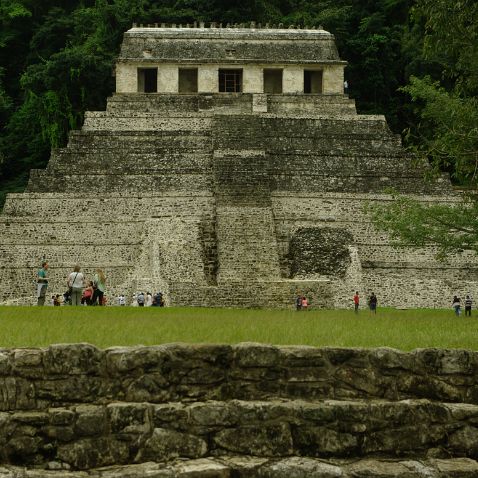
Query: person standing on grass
298,302
356,302
304,304
372,303
76,282
456,304
42,283
468,303
99,282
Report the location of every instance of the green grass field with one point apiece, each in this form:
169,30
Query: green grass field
109,326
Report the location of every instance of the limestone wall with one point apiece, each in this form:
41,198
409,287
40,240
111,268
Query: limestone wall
246,409
200,196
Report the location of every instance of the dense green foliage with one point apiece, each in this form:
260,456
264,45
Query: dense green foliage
446,128
113,326
57,58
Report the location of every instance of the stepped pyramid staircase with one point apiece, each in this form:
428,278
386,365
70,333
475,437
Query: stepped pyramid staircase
200,196
241,411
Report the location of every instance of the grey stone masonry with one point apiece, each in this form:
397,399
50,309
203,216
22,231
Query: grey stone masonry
245,410
238,198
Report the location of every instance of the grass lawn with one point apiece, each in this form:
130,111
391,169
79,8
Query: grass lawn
109,326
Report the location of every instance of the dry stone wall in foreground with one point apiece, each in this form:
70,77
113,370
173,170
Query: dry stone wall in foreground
246,410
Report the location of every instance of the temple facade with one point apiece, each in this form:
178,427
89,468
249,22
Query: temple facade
229,169
229,60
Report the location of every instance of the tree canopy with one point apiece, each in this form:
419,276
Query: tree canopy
445,127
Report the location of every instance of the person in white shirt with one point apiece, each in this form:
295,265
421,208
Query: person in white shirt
76,282
149,300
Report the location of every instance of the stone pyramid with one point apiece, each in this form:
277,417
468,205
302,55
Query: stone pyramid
219,195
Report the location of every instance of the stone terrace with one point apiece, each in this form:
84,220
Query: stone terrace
180,195
246,410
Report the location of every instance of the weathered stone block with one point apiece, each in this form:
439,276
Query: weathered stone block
268,440
164,445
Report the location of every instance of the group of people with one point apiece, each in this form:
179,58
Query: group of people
372,302
456,304
148,300
301,303
79,292
83,292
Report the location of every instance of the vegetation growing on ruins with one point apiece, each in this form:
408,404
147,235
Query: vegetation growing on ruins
446,108
110,326
57,59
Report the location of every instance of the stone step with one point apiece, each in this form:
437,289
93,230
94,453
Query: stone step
120,206
67,160
44,181
251,294
144,141
89,436
296,126
247,247
102,121
248,467
63,375
342,145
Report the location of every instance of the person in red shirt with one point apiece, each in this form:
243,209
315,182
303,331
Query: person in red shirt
356,301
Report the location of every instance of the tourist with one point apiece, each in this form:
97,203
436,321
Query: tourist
346,86
298,302
134,303
140,299
99,282
468,303
149,299
67,297
372,303
158,300
42,283
356,302
456,305
304,304
76,282
56,300
86,298
122,300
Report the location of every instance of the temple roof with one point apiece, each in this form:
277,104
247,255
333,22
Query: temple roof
181,44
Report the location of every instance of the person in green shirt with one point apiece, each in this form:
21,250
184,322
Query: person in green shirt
99,282
42,283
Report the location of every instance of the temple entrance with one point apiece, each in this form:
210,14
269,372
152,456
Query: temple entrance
188,80
313,81
147,80
230,81
273,81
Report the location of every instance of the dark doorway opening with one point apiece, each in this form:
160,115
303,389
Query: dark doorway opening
313,81
230,81
147,80
273,81
188,80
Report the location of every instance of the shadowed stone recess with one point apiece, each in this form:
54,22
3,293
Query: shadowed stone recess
322,251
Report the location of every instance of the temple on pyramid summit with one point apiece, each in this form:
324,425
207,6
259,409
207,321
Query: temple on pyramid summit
229,169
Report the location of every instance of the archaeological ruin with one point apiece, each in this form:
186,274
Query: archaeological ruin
237,411
229,169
